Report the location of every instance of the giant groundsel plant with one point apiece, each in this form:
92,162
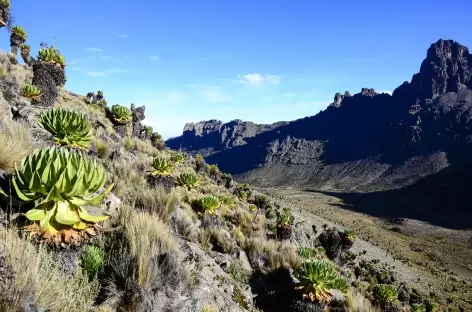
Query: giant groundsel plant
61,182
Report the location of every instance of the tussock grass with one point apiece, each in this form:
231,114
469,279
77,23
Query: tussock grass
145,147
129,143
40,278
356,302
21,74
102,147
16,144
208,308
156,201
275,254
127,176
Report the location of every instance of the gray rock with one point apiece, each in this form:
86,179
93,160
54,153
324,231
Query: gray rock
41,137
112,202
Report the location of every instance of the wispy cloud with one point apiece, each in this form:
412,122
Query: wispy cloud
106,72
122,36
154,58
109,58
93,49
256,79
215,96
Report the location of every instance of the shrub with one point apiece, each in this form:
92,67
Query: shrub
19,31
51,55
120,114
61,182
238,273
178,157
156,137
188,180
67,127
162,166
384,294
209,204
16,143
92,261
317,278
31,92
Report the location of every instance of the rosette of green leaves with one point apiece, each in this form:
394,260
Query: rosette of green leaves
317,279
62,182
25,49
178,157
285,217
162,166
92,261
5,3
67,127
19,31
350,235
148,130
384,294
188,180
31,92
51,55
209,204
121,115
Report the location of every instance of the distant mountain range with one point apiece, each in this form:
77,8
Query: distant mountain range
415,142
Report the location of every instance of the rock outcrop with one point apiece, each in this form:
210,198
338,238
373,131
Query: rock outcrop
367,141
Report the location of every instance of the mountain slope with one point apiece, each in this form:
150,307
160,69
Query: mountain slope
364,142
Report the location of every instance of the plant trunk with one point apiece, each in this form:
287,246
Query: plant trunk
48,77
15,42
4,16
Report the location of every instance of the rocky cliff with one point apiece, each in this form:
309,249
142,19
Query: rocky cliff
367,141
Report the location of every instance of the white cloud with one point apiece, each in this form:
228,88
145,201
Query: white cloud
106,72
154,58
122,36
256,79
215,96
91,49
109,58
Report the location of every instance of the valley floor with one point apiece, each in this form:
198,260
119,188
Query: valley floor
433,259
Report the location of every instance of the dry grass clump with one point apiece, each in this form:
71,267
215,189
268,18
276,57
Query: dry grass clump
156,201
40,280
356,302
143,261
185,225
272,253
145,147
102,147
208,308
16,144
128,176
19,73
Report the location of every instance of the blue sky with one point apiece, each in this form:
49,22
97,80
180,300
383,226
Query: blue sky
258,60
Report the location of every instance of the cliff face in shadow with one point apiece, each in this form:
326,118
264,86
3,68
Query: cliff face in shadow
361,142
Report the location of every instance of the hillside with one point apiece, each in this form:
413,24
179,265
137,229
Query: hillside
367,142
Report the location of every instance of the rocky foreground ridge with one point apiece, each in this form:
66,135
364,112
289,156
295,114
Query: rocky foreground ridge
413,140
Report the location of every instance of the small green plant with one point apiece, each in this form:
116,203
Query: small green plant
384,294
178,157
68,127
148,130
19,31
120,114
31,92
213,169
349,234
188,180
238,272
285,217
243,191
317,279
252,208
5,3
307,253
61,182
209,204
92,261
430,305
128,143
227,200
51,55
199,158
156,137
25,49
418,307
162,166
